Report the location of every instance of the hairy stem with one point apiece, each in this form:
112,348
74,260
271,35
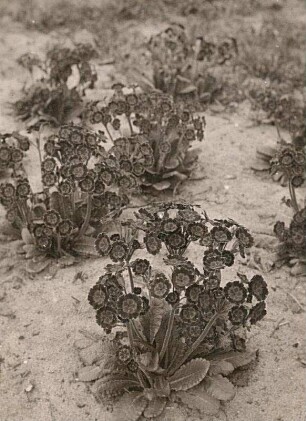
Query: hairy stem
131,277
168,334
196,343
293,196
87,216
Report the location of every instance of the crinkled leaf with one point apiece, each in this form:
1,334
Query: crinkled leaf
221,367
89,373
27,236
31,251
200,400
267,151
188,90
128,407
151,321
189,375
65,261
162,185
155,407
237,359
220,387
85,246
171,163
34,267
260,166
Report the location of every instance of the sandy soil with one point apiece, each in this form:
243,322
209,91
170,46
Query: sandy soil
42,318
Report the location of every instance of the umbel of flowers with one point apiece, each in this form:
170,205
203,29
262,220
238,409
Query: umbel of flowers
12,148
80,190
290,160
179,327
151,136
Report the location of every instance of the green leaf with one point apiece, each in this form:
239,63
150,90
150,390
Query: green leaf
89,373
27,236
85,246
221,367
189,375
112,386
31,251
155,407
220,387
200,400
128,407
171,163
37,266
162,185
237,359
151,321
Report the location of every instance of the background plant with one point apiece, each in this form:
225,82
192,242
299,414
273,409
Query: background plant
12,148
179,331
56,96
150,136
80,189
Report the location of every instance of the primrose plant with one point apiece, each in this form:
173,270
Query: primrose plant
12,151
177,327
290,161
79,192
65,75
150,136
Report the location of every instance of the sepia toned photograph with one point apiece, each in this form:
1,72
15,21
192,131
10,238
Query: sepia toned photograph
152,210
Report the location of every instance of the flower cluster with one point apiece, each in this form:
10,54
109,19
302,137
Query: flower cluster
151,136
80,189
191,291
292,239
12,148
51,99
183,67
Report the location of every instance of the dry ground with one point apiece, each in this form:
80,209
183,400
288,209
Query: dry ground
41,318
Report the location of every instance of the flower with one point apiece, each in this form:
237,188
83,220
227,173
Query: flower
159,286
129,306
213,260
138,169
258,287
173,297
132,366
106,176
65,187
87,184
140,266
182,277
169,225
65,227
153,243
205,301
297,181
125,165
43,242
106,318
220,234
99,187
98,296
235,292
188,215
118,251
102,244
196,230
257,312
78,171
193,292
38,230
8,191
212,282
189,313
176,241
244,237
49,179
279,230
23,189
124,354
228,258
51,218
237,315
16,155
48,165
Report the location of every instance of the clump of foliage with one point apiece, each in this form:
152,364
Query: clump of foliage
291,161
150,135
179,331
12,148
80,190
186,68
267,156
52,98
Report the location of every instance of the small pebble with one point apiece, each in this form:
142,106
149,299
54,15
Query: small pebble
29,388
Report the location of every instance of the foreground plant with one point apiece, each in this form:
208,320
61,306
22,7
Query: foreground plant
178,332
52,98
186,68
291,161
80,190
151,136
